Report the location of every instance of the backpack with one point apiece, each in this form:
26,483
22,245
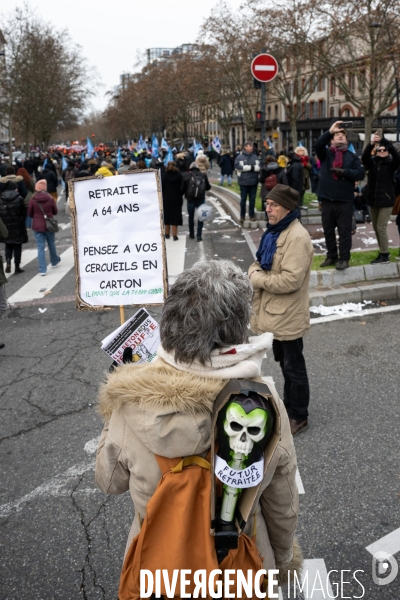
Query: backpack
175,533
271,181
196,186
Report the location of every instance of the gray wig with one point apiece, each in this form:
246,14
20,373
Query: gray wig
208,307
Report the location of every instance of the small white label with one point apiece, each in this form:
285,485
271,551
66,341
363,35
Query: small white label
249,477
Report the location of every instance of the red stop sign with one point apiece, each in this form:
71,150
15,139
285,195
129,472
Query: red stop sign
264,67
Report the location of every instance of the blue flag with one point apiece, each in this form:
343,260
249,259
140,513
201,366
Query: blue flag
164,144
64,165
119,158
89,148
182,148
169,157
83,157
44,164
197,148
154,146
301,145
351,148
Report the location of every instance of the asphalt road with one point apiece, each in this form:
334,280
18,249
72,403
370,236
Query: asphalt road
61,538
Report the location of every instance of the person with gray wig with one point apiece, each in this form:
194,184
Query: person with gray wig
165,407
208,307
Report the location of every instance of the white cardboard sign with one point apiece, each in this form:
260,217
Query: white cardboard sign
245,478
119,242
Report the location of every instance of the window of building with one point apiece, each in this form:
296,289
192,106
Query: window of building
321,109
307,114
332,111
362,80
332,86
321,84
276,111
352,81
315,110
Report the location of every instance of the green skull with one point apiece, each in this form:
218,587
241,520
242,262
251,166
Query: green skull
244,428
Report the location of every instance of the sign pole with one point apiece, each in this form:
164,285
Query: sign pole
263,124
122,314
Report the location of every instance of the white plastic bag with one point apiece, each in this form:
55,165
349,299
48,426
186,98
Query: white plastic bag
205,213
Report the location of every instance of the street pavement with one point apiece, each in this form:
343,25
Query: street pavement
61,538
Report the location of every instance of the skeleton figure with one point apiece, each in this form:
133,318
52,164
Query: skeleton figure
248,420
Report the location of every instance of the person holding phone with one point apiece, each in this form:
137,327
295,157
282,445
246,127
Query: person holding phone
340,168
381,189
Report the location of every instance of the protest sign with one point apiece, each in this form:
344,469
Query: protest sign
119,249
141,333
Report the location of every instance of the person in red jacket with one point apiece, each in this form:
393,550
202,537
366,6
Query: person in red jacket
43,200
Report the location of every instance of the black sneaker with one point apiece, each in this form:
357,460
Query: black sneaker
328,262
381,259
342,265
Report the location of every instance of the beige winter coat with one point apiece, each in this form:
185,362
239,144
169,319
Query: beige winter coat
203,163
281,301
157,409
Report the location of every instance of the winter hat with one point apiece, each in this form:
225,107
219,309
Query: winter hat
200,152
41,185
285,196
104,164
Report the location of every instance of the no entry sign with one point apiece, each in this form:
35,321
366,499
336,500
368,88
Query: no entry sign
264,67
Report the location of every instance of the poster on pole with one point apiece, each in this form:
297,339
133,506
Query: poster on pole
119,248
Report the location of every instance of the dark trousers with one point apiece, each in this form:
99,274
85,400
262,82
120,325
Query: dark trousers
296,391
191,209
251,191
337,214
16,249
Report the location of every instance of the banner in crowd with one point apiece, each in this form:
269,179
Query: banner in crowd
118,240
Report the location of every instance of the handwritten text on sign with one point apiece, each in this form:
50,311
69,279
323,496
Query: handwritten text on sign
245,478
119,240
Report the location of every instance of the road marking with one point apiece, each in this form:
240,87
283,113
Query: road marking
364,313
317,577
27,257
250,243
31,290
299,482
175,257
56,486
389,543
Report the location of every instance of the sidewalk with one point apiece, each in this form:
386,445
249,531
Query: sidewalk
329,287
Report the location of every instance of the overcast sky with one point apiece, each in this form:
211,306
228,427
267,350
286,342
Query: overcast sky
111,32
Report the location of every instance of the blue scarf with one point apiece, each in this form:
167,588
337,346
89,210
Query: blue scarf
267,247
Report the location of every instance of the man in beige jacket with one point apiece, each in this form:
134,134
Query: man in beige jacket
280,280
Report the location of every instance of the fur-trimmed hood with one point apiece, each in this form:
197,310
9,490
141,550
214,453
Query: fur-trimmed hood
158,386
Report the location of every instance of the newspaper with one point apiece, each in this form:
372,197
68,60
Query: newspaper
141,333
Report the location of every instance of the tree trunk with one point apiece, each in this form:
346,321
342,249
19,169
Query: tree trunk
293,129
10,144
368,120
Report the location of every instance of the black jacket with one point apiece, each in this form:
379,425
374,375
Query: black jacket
295,174
226,164
381,184
185,181
13,215
342,189
51,178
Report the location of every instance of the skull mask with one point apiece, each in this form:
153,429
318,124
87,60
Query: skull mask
244,428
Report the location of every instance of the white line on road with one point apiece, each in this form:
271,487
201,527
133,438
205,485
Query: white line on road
27,257
250,242
299,482
56,486
31,290
315,577
389,543
175,257
364,313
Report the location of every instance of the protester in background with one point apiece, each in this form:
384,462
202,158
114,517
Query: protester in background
282,159
280,279
69,173
226,163
11,176
194,187
247,168
381,189
104,170
110,165
340,168
314,174
181,162
302,152
271,174
50,175
202,161
92,166
171,181
13,215
295,173
39,225
125,165
167,408
3,278
30,186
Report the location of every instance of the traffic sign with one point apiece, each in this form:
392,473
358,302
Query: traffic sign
264,67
